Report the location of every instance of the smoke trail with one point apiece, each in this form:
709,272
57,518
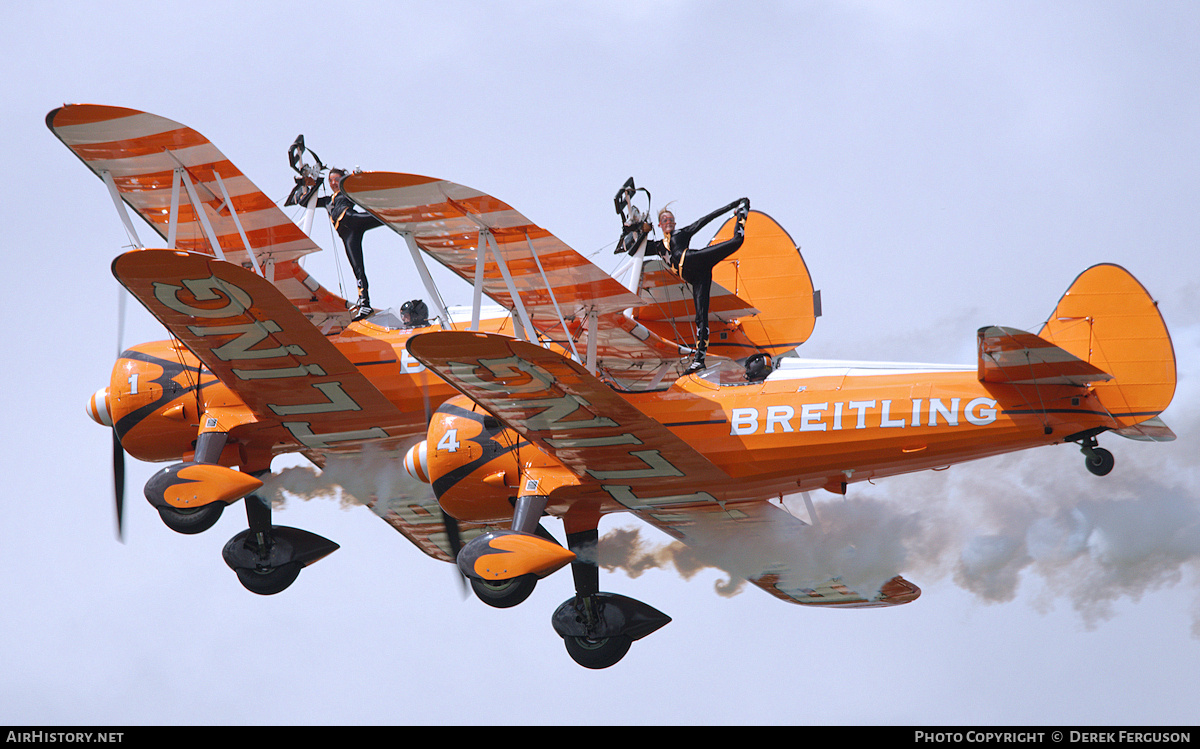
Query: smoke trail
374,478
993,527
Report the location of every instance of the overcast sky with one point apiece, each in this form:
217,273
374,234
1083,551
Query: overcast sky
943,165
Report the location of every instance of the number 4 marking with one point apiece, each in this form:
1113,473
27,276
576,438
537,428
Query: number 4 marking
449,441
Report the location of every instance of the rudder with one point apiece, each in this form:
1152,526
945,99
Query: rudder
769,272
1108,319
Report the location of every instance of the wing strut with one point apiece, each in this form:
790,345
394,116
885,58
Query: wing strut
428,281
488,242
477,298
120,204
238,223
592,319
173,217
558,311
200,214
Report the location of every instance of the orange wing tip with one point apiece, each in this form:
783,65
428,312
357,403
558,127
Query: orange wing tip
505,555
190,485
835,595
897,591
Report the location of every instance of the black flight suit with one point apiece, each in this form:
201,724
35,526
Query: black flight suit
695,266
351,225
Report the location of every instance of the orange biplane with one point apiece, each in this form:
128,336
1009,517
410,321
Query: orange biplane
573,405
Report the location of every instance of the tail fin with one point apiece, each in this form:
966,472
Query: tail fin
1108,319
768,272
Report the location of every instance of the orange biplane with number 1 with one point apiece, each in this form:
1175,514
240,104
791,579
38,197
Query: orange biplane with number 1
577,409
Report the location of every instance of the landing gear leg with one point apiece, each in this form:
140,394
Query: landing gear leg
268,558
598,628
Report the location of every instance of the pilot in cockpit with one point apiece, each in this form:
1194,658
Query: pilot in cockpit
414,314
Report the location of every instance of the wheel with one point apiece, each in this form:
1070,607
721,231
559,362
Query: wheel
1100,462
269,581
597,653
503,594
194,520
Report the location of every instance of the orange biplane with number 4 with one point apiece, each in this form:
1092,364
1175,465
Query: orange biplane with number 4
573,404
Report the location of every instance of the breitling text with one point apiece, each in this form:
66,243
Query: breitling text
883,414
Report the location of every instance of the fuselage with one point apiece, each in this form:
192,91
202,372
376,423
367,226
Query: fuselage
806,427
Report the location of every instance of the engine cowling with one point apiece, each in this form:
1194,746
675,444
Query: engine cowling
473,462
151,401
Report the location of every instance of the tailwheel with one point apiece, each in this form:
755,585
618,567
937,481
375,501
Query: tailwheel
599,653
1100,461
503,594
192,520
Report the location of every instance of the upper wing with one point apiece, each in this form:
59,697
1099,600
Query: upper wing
161,169
448,221
611,446
296,384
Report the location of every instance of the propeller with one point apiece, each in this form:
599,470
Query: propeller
455,539
450,523
119,483
118,456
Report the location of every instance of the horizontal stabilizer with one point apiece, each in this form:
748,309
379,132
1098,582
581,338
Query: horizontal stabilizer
1151,430
1015,357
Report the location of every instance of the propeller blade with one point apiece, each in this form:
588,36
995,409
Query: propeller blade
119,484
455,539
118,451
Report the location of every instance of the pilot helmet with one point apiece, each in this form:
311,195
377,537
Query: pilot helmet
414,313
758,367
